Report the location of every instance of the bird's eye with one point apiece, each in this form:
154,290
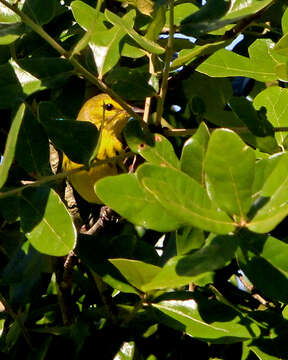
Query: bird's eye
108,107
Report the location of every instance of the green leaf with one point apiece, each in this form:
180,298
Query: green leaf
215,95
229,167
11,143
95,251
260,66
10,88
157,24
160,152
32,151
275,100
214,16
181,270
184,198
77,139
88,17
10,32
188,239
7,15
263,169
51,72
24,273
274,198
131,83
145,43
127,197
181,11
126,351
41,11
185,56
46,222
193,154
255,121
284,21
263,259
188,317
107,45
137,273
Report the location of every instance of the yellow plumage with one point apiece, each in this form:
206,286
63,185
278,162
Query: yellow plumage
115,119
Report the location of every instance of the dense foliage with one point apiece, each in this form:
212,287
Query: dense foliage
194,259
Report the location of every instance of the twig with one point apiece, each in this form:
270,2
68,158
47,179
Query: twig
17,319
52,178
251,289
168,58
64,287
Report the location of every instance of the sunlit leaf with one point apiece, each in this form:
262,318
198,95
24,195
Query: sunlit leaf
11,143
184,198
46,222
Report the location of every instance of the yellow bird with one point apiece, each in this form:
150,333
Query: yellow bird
115,119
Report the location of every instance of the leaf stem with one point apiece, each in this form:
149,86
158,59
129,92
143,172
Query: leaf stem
168,58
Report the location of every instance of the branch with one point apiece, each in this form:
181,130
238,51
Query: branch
78,67
52,178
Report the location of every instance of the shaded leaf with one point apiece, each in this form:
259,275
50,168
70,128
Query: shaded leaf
263,259
181,270
41,11
77,139
255,121
10,88
275,100
32,151
10,32
214,16
274,199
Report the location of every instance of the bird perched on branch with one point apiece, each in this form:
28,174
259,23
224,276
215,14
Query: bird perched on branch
109,117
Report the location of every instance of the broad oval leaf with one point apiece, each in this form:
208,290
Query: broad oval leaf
184,198
260,66
187,316
124,194
46,221
78,139
230,166
181,270
155,148
137,273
